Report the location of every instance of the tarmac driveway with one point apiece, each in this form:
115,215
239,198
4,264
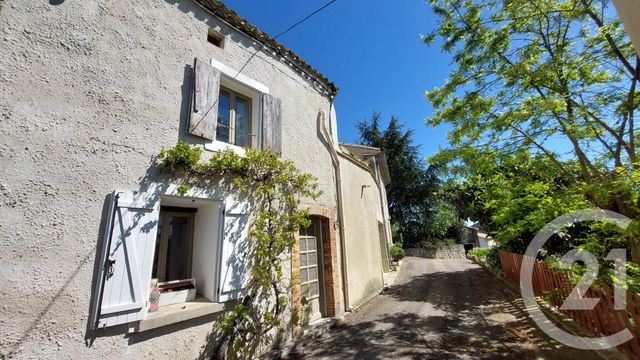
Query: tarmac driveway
439,309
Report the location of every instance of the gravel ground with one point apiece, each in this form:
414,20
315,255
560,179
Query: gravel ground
439,309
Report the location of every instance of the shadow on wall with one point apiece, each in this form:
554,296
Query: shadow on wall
148,182
53,2
155,180
185,107
371,289
252,48
45,311
192,8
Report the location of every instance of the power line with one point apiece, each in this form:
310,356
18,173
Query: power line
305,19
284,32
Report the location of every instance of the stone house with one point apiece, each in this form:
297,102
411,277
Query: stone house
89,94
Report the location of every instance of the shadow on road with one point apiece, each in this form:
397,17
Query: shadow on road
461,314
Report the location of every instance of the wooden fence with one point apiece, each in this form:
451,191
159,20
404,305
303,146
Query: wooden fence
554,286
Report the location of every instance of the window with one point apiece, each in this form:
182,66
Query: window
309,277
234,118
215,38
174,244
191,244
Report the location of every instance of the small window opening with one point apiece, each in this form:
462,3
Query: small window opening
215,38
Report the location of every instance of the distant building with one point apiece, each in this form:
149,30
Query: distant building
479,238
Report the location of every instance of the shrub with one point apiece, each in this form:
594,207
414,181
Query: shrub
491,255
479,252
493,258
397,252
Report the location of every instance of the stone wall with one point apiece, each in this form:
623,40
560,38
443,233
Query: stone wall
447,252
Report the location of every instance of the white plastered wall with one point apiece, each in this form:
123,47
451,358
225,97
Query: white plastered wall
89,93
362,211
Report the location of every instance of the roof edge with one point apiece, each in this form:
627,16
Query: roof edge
220,10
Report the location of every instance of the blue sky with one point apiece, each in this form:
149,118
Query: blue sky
371,50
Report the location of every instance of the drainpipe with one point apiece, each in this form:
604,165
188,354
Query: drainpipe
336,167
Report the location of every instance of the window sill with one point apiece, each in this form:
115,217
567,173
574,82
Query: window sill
176,313
221,146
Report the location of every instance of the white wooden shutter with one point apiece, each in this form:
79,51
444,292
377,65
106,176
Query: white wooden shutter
233,253
203,119
271,123
126,259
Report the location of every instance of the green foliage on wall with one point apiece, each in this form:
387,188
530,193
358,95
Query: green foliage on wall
274,188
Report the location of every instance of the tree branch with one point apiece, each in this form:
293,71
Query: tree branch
614,47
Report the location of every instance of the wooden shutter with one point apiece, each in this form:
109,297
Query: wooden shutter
126,259
234,249
204,104
271,123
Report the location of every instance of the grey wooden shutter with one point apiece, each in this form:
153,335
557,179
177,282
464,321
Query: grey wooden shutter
233,253
204,104
271,123
126,259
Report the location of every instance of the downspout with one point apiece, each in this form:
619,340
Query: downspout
336,167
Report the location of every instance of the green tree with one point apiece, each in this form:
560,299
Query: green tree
412,192
529,73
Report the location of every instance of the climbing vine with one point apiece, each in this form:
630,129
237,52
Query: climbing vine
274,188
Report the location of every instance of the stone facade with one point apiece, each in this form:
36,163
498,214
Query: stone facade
447,252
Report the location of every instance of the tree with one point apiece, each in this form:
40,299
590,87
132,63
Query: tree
532,73
513,196
411,194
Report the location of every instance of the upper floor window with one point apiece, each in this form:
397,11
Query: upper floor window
234,118
233,111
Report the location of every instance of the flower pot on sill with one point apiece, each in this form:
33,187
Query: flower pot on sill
177,291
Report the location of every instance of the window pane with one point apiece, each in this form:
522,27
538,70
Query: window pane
242,125
311,244
309,231
178,249
313,273
312,258
303,276
303,260
224,116
303,244
304,290
315,289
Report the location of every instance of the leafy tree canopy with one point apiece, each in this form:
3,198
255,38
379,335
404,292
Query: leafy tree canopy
529,74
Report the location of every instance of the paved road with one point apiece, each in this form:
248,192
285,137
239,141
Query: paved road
439,309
